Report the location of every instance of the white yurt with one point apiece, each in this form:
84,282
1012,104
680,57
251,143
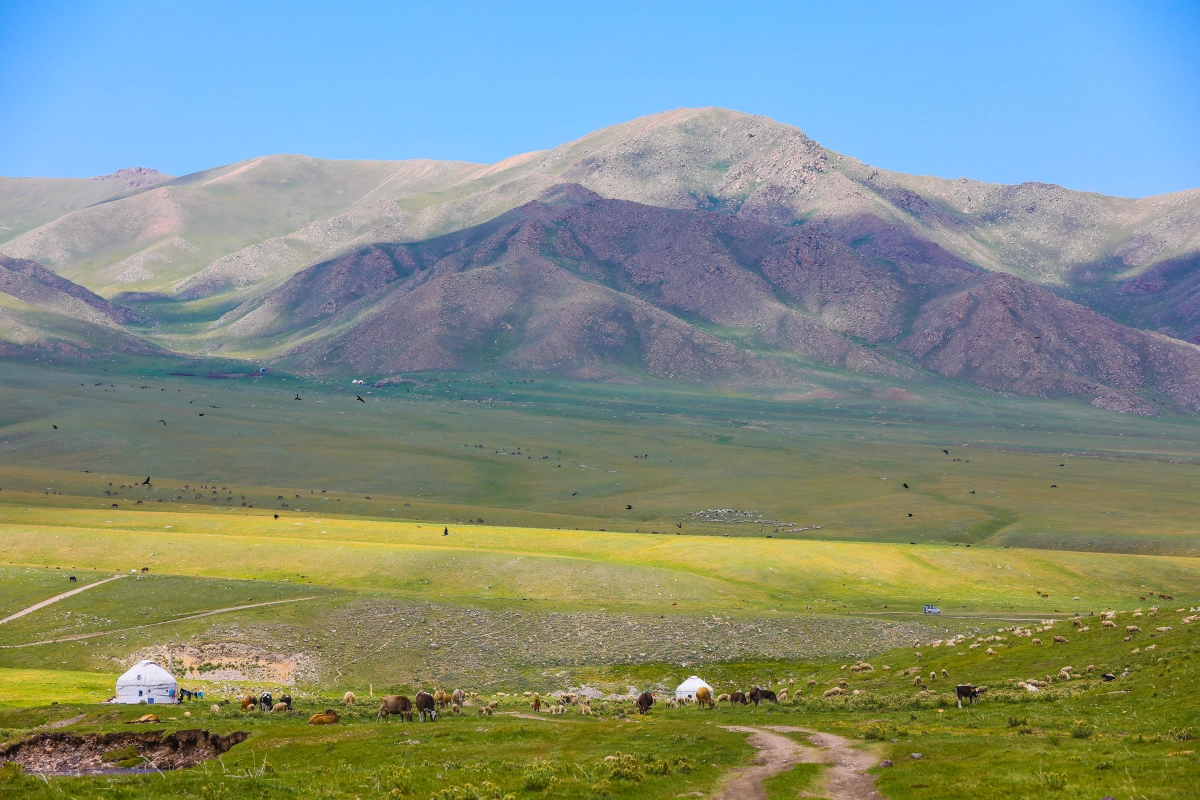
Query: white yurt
687,689
147,682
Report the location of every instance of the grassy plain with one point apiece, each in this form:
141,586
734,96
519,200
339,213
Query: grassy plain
520,560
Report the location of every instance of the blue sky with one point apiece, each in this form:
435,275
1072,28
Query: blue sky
1094,95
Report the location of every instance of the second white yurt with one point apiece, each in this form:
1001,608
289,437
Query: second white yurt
687,689
147,682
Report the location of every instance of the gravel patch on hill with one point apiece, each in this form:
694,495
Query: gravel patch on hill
427,639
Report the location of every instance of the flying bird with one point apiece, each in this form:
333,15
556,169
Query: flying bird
1054,486
574,493
906,486
628,508
297,397
972,493
678,524
164,422
55,427
147,481
213,406
202,413
947,452
910,515
276,516
1062,465
359,399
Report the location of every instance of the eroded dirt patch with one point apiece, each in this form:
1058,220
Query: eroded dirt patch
233,661
90,753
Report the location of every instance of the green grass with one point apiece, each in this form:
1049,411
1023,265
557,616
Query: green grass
802,780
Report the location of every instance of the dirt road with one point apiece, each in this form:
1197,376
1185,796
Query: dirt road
846,778
56,598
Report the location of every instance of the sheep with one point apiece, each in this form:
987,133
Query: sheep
811,682
215,709
783,696
1036,642
722,698
149,719
835,691
933,676
280,707
671,702
1132,629
843,684
991,652
1107,623
349,699
485,711
945,674
1163,628
330,717
1061,640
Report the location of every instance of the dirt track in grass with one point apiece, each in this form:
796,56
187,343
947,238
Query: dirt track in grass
846,778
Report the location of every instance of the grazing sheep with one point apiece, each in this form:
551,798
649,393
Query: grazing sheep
723,698
1107,623
1163,628
395,704
783,696
1132,629
811,682
844,684
933,676
992,652
704,698
945,674
834,692
280,707
215,709
455,708
554,710
349,699
486,711
330,717
1061,640
670,702
1036,642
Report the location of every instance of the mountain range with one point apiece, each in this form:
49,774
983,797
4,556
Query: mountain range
696,244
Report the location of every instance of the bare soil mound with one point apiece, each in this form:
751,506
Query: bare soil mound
86,753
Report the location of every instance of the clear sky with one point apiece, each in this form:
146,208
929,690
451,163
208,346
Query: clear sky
1091,94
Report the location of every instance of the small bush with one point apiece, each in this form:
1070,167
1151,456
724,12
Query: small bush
485,791
538,775
876,730
1053,740
623,767
1082,729
1056,780
394,780
1025,730
1018,722
1105,764
1180,734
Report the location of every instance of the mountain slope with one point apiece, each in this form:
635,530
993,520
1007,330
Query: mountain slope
574,281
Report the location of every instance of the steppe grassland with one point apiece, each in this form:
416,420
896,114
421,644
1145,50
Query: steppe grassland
839,464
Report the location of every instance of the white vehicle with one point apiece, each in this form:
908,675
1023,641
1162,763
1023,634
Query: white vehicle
932,609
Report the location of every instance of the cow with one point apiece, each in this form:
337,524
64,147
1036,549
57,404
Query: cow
266,703
330,717
967,691
458,697
759,695
426,705
537,703
738,699
704,698
287,699
441,699
644,701
395,704
73,579
249,702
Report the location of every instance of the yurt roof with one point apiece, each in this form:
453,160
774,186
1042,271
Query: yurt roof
691,684
145,673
